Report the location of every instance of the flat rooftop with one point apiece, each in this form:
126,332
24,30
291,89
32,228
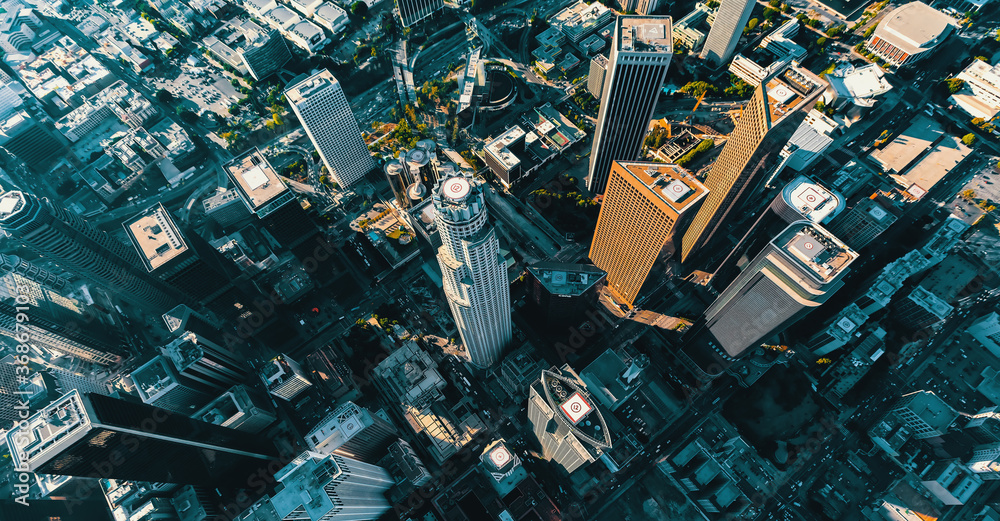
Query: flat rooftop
11,203
300,89
912,142
815,249
812,199
566,279
651,34
255,179
930,408
47,429
672,184
155,236
153,378
498,148
940,160
790,88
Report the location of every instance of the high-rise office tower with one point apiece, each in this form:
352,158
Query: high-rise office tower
320,104
266,195
92,435
315,487
865,221
643,204
640,55
796,272
81,249
725,33
474,273
595,78
412,11
566,420
57,325
643,7
240,408
32,272
284,377
186,263
777,107
159,384
205,362
352,432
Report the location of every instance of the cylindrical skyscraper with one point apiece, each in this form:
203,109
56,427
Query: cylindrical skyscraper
474,273
79,248
397,177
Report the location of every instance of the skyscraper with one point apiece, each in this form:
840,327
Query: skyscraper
159,384
566,419
93,435
474,273
188,264
240,408
767,121
79,248
797,271
865,221
284,377
322,108
205,362
725,33
412,11
57,324
643,203
640,55
266,195
315,487
352,432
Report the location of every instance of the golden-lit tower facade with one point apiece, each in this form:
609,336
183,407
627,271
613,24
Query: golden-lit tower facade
777,107
642,206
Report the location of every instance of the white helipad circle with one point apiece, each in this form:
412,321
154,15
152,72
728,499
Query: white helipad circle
500,457
808,246
456,188
781,92
677,188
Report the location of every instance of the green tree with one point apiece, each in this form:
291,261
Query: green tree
821,41
697,88
188,117
770,13
978,121
234,110
164,96
982,58
836,30
954,84
712,4
969,139
969,194
751,25
814,23
359,9
785,8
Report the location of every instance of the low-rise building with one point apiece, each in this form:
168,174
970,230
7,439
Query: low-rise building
980,95
581,19
909,33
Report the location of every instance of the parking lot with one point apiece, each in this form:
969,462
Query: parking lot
207,89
